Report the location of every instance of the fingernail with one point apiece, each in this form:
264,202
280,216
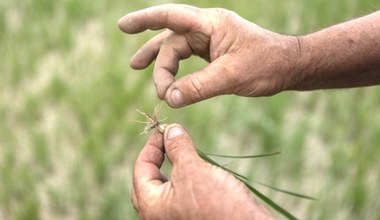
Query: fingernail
176,98
174,132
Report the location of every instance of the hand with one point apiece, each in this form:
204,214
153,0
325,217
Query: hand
196,189
245,59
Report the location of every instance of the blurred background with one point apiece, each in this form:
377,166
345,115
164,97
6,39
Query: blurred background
68,95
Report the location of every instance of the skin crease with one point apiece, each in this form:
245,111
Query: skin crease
342,56
220,37
245,60
248,60
186,195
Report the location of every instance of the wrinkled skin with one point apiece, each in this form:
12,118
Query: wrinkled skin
244,58
196,189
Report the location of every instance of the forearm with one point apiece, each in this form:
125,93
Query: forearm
341,56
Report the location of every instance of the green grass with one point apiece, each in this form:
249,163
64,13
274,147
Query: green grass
67,96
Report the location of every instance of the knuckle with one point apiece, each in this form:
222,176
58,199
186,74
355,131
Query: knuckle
196,87
178,145
222,12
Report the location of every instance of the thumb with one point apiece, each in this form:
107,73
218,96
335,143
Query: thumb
178,145
213,80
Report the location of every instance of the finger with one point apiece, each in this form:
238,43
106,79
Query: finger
172,50
148,52
147,172
135,201
178,18
215,79
178,145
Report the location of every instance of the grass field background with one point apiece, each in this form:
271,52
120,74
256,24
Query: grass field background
67,95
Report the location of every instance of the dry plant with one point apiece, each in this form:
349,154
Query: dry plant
153,122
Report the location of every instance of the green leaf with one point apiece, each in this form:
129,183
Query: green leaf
270,202
286,191
244,157
244,179
206,158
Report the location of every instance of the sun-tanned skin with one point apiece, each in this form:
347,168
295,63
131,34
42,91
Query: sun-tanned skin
245,60
342,56
196,189
248,60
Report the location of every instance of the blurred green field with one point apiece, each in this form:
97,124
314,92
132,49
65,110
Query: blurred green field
67,95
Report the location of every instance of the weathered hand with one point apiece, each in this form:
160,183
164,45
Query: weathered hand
196,189
245,59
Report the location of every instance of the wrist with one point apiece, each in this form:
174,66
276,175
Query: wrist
311,71
341,56
293,63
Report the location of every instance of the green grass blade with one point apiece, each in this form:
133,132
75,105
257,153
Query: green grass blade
286,191
208,159
205,157
270,202
244,157
242,178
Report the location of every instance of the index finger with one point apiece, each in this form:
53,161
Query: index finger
178,18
